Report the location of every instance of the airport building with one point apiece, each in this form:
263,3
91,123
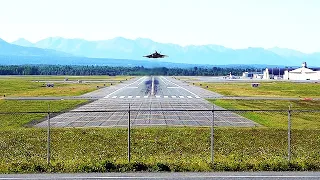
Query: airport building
302,73
268,73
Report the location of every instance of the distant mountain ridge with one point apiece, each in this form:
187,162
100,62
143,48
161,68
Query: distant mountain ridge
122,48
7,49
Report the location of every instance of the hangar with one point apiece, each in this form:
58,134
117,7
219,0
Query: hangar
303,73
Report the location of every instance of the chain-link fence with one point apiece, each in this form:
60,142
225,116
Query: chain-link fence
215,136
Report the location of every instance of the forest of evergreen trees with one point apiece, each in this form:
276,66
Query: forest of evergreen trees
113,71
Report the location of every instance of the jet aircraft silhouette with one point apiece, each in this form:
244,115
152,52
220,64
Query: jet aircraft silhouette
156,55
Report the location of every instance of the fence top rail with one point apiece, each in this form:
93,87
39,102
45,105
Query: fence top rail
160,110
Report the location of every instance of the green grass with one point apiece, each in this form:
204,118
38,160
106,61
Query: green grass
300,120
45,77
27,85
156,149
267,89
15,120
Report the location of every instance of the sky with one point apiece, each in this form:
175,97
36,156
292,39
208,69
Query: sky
293,24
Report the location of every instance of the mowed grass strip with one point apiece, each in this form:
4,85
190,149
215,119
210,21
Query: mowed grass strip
18,120
274,119
156,149
28,85
267,89
51,77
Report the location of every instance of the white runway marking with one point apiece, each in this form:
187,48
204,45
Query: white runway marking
181,87
137,96
189,96
158,96
142,81
129,96
114,97
197,97
173,87
121,97
132,87
173,96
145,96
165,96
181,96
163,80
124,87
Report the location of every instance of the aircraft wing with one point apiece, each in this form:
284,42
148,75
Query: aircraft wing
162,56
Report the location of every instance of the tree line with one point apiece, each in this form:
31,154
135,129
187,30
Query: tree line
113,71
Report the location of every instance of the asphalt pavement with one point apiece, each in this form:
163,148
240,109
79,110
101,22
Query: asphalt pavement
153,101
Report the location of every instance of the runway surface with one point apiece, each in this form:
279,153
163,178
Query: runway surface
154,101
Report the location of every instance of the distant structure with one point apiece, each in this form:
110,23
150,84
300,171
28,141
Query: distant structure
231,76
287,73
303,73
252,75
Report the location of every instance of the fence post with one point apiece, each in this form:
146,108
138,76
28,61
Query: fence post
212,136
129,127
48,137
289,133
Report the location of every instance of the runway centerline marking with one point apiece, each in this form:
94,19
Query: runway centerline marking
137,96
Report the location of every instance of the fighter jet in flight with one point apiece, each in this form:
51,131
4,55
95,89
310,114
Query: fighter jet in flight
156,55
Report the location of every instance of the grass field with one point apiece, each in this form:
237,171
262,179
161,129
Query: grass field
23,148
26,85
45,77
156,149
267,89
300,120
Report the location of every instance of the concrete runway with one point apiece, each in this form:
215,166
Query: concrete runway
152,101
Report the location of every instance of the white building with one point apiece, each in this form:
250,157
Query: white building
303,73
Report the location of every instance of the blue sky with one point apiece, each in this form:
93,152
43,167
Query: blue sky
293,24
